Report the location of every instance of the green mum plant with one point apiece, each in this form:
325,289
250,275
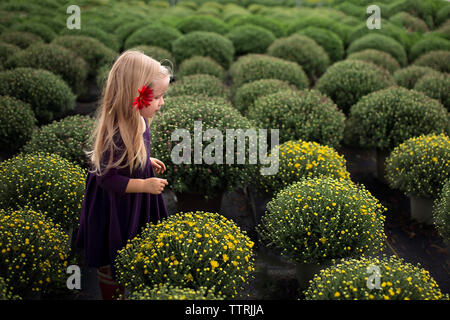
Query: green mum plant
438,60
207,44
21,39
259,20
201,65
16,125
44,182
399,280
328,40
249,92
202,23
250,39
47,93
388,117
168,292
377,57
207,179
190,250
203,84
345,82
304,51
254,67
34,251
427,44
67,137
95,53
382,43
302,159
56,59
407,77
162,36
420,165
441,213
320,118
319,219
435,85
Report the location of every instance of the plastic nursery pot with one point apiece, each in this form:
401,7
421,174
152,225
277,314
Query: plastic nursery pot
188,201
306,271
421,209
381,168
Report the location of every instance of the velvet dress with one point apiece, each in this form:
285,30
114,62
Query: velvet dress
110,216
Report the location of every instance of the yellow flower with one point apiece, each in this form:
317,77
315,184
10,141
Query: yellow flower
337,294
323,240
225,258
214,264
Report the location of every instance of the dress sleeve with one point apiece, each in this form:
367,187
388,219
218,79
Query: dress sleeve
112,180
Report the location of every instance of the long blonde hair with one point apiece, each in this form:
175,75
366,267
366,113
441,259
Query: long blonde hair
132,70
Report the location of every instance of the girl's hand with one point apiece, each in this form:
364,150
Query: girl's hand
154,185
158,165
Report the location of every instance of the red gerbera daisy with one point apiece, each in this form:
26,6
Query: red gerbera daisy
144,98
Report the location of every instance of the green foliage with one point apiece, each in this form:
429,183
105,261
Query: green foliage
59,60
441,212
202,23
409,22
40,29
19,38
16,124
345,82
377,57
407,77
319,219
203,84
95,53
44,182
321,121
254,67
201,43
249,92
427,44
382,43
108,39
388,117
207,179
5,293
320,22
153,35
156,53
201,65
250,39
420,165
399,280
67,137
202,249
7,50
48,95
328,40
436,85
261,21
438,60
303,50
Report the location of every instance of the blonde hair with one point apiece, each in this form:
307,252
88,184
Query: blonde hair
116,115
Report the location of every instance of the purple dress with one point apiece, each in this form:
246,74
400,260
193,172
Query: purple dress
110,216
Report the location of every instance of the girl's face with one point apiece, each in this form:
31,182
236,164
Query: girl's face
159,89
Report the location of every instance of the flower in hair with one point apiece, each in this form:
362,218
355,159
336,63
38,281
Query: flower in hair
144,98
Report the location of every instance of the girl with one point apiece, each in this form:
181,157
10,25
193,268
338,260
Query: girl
122,193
